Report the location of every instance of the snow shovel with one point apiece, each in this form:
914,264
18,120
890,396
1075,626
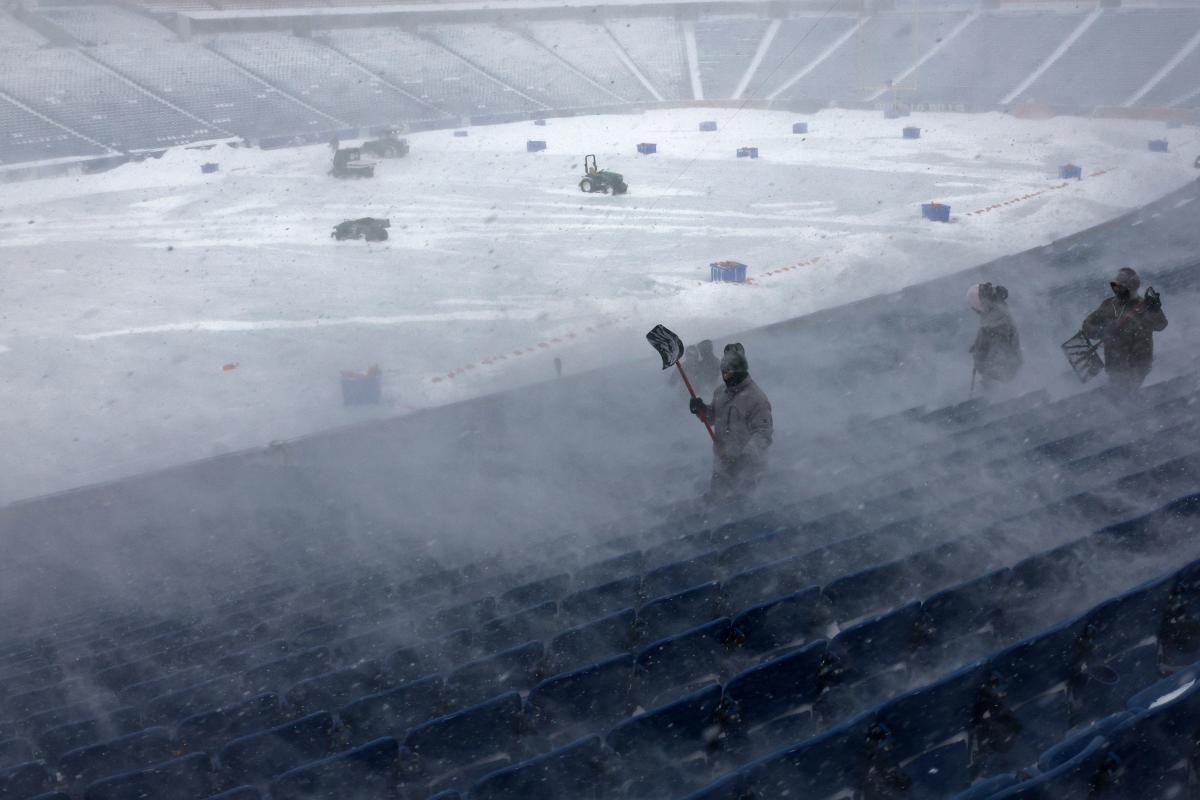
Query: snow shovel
670,347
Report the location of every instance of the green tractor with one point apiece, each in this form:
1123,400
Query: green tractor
600,180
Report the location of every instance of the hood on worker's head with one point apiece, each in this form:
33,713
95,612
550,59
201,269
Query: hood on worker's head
734,366
983,296
706,348
1126,279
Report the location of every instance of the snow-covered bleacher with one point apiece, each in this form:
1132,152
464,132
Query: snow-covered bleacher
24,137
885,46
522,64
797,44
70,88
208,86
275,83
428,71
655,44
104,24
725,48
1115,57
323,78
990,58
588,47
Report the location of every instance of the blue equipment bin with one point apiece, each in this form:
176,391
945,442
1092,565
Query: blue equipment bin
209,168
936,212
646,148
460,134
534,146
912,133
1067,171
361,388
540,122
727,272
747,152
1158,145
708,125
799,127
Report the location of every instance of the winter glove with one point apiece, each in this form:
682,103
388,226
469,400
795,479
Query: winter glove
696,406
1153,299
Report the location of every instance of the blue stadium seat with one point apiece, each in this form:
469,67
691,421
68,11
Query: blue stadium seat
988,787
410,664
146,690
467,615
787,621
263,755
240,793
56,741
134,751
680,575
610,569
395,711
214,693
288,670
602,600
665,616
594,641
531,624
208,730
25,780
819,767
536,593
470,735
15,751
961,611
597,696
922,718
668,736
1104,688
767,582
186,778
1075,743
875,644
1032,666
335,689
1072,780
681,661
53,717
518,668
52,796
777,687
737,785
369,770
870,590
577,770
1122,622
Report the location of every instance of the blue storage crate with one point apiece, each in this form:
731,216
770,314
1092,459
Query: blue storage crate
1158,145
460,134
708,126
936,212
799,127
534,146
912,133
747,152
361,388
727,272
540,122
646,148
209,168
1068,171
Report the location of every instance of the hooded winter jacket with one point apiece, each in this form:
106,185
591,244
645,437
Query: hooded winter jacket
997,348
1126,326
743,424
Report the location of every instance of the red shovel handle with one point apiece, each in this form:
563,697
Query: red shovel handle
692,392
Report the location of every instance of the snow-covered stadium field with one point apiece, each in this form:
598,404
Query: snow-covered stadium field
127,295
